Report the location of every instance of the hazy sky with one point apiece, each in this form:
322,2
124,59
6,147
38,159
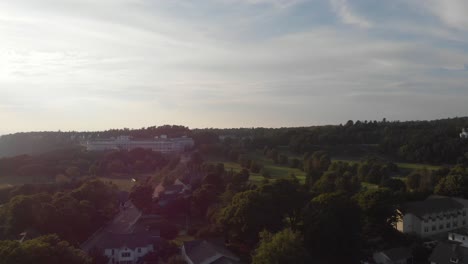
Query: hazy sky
90,65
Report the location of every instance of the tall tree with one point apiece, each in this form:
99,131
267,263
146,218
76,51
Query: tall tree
285,246
332,224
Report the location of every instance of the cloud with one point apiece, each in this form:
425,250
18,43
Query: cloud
94,65
451,12
347,16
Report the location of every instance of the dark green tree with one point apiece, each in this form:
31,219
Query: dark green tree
285,246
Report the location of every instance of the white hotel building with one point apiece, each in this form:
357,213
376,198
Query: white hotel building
433,216
161,144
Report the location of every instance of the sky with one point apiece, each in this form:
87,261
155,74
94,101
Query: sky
94,65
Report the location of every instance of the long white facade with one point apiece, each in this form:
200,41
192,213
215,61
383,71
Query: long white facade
161,144
127,255
434,216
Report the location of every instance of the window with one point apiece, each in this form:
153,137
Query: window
126,254
448,225
455,224
112,252
464,222
139,250
441,226
434,228
426,229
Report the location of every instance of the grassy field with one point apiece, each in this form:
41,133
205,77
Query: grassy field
401,165
415,166
9,181
122,184
281,171
276,171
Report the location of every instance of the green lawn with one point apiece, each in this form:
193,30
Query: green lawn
122,184
415,166
8,181
276,171
401,165
368,185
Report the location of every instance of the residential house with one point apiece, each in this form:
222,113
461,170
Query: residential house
394,256
166,194
449,253
126,239
204,252
433,216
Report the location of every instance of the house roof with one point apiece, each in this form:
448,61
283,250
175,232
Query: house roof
396,254
158,190
431,206
132,241
460,231
200,251
444,251
174,189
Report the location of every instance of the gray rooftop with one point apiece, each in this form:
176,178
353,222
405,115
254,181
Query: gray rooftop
431,206
396,254
444,251
199,251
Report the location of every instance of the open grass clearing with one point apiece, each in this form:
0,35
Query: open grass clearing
122,184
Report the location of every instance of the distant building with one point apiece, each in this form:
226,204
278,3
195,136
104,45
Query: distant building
433,216
394,256
204,252
464,133
161,144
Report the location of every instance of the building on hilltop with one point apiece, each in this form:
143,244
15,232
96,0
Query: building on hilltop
161,144
433,216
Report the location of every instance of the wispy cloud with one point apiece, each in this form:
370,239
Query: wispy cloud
94,65
347,15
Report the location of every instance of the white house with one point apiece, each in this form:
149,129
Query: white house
161,144
433,216
127,249
126,239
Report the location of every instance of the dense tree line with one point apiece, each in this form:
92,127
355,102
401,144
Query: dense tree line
73,163
48,249
72,214
413,141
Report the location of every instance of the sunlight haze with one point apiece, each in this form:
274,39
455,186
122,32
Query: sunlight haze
90,65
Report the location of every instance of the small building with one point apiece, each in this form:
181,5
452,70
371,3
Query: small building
449,253
394,256
204,252
464,133
166,194
460,236
433,216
